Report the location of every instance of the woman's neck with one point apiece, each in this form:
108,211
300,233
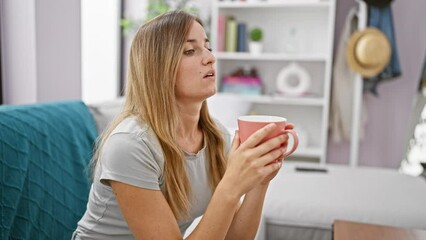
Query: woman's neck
190,136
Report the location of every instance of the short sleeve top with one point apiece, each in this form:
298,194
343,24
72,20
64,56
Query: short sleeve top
133,155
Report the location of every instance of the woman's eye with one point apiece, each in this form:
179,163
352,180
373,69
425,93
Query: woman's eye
189,52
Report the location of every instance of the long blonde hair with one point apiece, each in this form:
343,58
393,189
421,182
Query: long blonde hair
150,96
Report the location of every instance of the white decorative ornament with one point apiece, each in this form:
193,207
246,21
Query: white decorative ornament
420,134
412,169
300,77
417,153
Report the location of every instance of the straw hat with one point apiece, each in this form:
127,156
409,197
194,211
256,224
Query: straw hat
368,52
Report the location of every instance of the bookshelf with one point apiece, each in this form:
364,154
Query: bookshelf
313,23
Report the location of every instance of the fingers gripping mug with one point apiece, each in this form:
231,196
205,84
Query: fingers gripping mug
247,125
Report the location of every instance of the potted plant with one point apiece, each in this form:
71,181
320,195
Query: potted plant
256,36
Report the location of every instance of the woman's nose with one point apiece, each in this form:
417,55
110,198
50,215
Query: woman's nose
209,58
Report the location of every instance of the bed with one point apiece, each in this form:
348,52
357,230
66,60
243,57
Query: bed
304,204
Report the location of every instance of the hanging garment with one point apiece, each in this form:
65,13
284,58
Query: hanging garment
340,122
381,18
378,3
422,82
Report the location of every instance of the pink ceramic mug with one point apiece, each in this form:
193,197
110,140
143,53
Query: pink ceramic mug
247,125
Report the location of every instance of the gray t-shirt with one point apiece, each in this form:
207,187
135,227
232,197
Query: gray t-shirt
133,155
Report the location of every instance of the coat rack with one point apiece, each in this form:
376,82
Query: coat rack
358,93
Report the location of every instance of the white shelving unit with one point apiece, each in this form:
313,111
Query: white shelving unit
313,21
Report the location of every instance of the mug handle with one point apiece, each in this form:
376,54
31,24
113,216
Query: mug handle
295,142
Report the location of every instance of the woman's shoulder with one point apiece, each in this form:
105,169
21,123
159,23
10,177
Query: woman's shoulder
131,125
132,129
133,135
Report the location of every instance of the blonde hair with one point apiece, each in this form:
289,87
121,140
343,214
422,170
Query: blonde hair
150,96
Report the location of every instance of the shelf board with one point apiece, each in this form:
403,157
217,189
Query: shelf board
274,4
266,99
306,101
269,56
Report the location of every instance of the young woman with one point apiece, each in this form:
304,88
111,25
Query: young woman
164,161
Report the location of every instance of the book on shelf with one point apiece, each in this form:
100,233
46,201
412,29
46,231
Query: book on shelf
231,35
221,26
242,37
249,85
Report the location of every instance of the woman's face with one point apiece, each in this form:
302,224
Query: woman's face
196,78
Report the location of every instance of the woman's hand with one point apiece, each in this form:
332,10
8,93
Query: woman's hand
280,159
251,163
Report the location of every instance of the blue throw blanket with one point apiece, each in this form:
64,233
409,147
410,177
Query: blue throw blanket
44,183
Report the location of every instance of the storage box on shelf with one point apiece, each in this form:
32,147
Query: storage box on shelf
294,32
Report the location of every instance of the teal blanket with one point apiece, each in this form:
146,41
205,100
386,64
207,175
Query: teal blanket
44,182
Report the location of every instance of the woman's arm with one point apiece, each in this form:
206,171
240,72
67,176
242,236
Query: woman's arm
150,217
146,212
246,221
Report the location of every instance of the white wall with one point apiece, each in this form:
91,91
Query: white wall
100,39
41,44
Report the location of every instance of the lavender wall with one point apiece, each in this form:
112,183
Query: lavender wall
58,42
389,113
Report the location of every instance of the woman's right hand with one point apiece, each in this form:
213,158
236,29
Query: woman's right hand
249,163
